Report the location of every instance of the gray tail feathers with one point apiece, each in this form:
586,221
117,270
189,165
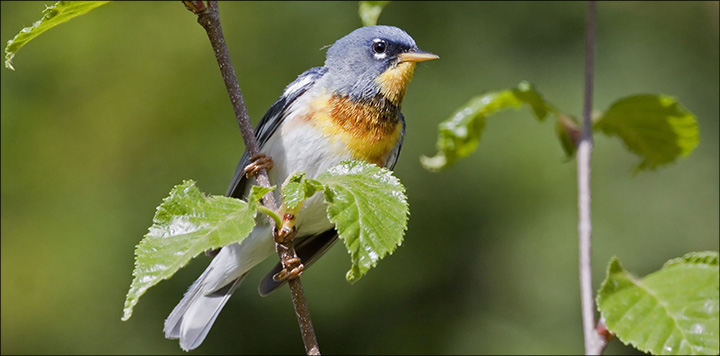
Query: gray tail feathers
193,317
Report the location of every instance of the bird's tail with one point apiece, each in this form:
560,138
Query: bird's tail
193,317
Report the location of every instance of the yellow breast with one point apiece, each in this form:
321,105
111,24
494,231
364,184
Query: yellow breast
368,129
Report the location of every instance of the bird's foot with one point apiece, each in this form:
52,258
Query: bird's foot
258,162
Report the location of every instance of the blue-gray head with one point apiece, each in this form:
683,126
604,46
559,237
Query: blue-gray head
373,60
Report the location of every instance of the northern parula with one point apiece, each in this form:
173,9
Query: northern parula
349,109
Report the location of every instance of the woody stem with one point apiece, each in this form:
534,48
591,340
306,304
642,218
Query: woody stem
594,343
209,19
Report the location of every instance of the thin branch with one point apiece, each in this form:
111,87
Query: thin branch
594,344
604,334
209,19
303,316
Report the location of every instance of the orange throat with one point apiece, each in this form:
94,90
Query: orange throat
369,129
394,81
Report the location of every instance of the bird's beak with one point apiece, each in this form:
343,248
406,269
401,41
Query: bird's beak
417,56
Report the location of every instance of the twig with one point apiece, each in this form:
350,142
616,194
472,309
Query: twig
594,344
209,19
604,334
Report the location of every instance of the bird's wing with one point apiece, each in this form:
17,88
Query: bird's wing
271,121
395,153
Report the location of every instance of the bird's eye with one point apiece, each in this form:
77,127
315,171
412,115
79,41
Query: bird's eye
379,46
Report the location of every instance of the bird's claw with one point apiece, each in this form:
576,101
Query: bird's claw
258,162
293,269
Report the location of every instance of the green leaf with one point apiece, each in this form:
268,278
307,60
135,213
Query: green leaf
527,94
258,192
460,134
296,189
568,132
709,258
672,311
369,11
369,208
61,12
185,224
656,127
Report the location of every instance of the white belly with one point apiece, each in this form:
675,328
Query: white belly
298,146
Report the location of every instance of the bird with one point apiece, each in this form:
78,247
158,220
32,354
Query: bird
348,109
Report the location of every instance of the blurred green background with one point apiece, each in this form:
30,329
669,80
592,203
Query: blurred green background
106,113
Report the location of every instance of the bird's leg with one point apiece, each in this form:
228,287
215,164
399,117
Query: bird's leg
258,162
293,268
292,265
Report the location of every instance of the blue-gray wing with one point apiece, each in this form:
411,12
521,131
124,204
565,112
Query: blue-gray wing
395,153
271,121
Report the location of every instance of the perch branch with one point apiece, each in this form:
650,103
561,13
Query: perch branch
209,19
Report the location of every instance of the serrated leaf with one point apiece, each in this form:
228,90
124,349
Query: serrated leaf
185,224
369,11
460,135
61,12
526,93
669,312
709,258
296,189
369,208
656,127
258,192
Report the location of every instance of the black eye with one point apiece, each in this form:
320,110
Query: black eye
379,47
